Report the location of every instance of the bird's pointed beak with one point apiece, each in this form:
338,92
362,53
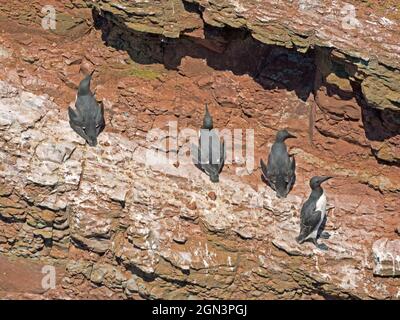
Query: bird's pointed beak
323,179
291,136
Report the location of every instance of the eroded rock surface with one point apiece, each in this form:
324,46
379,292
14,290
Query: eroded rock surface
356,52
154,228
120,226
363,42
386,257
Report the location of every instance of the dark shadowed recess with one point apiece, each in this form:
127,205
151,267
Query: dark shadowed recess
235,50
151,277
379,125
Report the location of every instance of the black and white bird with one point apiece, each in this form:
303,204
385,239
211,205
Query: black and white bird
313,214
88,119
280,172
209,156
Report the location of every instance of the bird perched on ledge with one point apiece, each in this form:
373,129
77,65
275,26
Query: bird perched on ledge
279,173
313,214
209,156
88,119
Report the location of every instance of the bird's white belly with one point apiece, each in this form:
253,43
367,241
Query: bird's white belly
320,206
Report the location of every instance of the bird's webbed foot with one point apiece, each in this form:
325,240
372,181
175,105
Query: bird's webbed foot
299,240
320,246
325,235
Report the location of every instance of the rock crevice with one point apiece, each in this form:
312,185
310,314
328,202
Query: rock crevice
346,87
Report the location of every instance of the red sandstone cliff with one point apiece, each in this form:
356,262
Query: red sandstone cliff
117,227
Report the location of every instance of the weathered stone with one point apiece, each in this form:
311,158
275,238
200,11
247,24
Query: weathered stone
379,79
53,203
386,257
26,114
168,18
54,152
43,180
58,235
131,285
4,53
40,218
95,245
80,267
98,274
45,233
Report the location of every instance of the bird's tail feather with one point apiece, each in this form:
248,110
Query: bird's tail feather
300,239
84,86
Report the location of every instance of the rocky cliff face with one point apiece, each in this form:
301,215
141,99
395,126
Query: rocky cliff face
118,225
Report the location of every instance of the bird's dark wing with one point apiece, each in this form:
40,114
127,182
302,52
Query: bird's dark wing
268,175
214,149
100,122
309,219
291,176
216,156
77,122
212,153
292,165
276,162
196,156
210,169
271,162
87,107
74,116
222,157
204,147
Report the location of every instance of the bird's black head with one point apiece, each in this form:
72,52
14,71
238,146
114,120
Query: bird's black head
316,182
94,127
282,135
281,189
207,121
88,124
214,177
